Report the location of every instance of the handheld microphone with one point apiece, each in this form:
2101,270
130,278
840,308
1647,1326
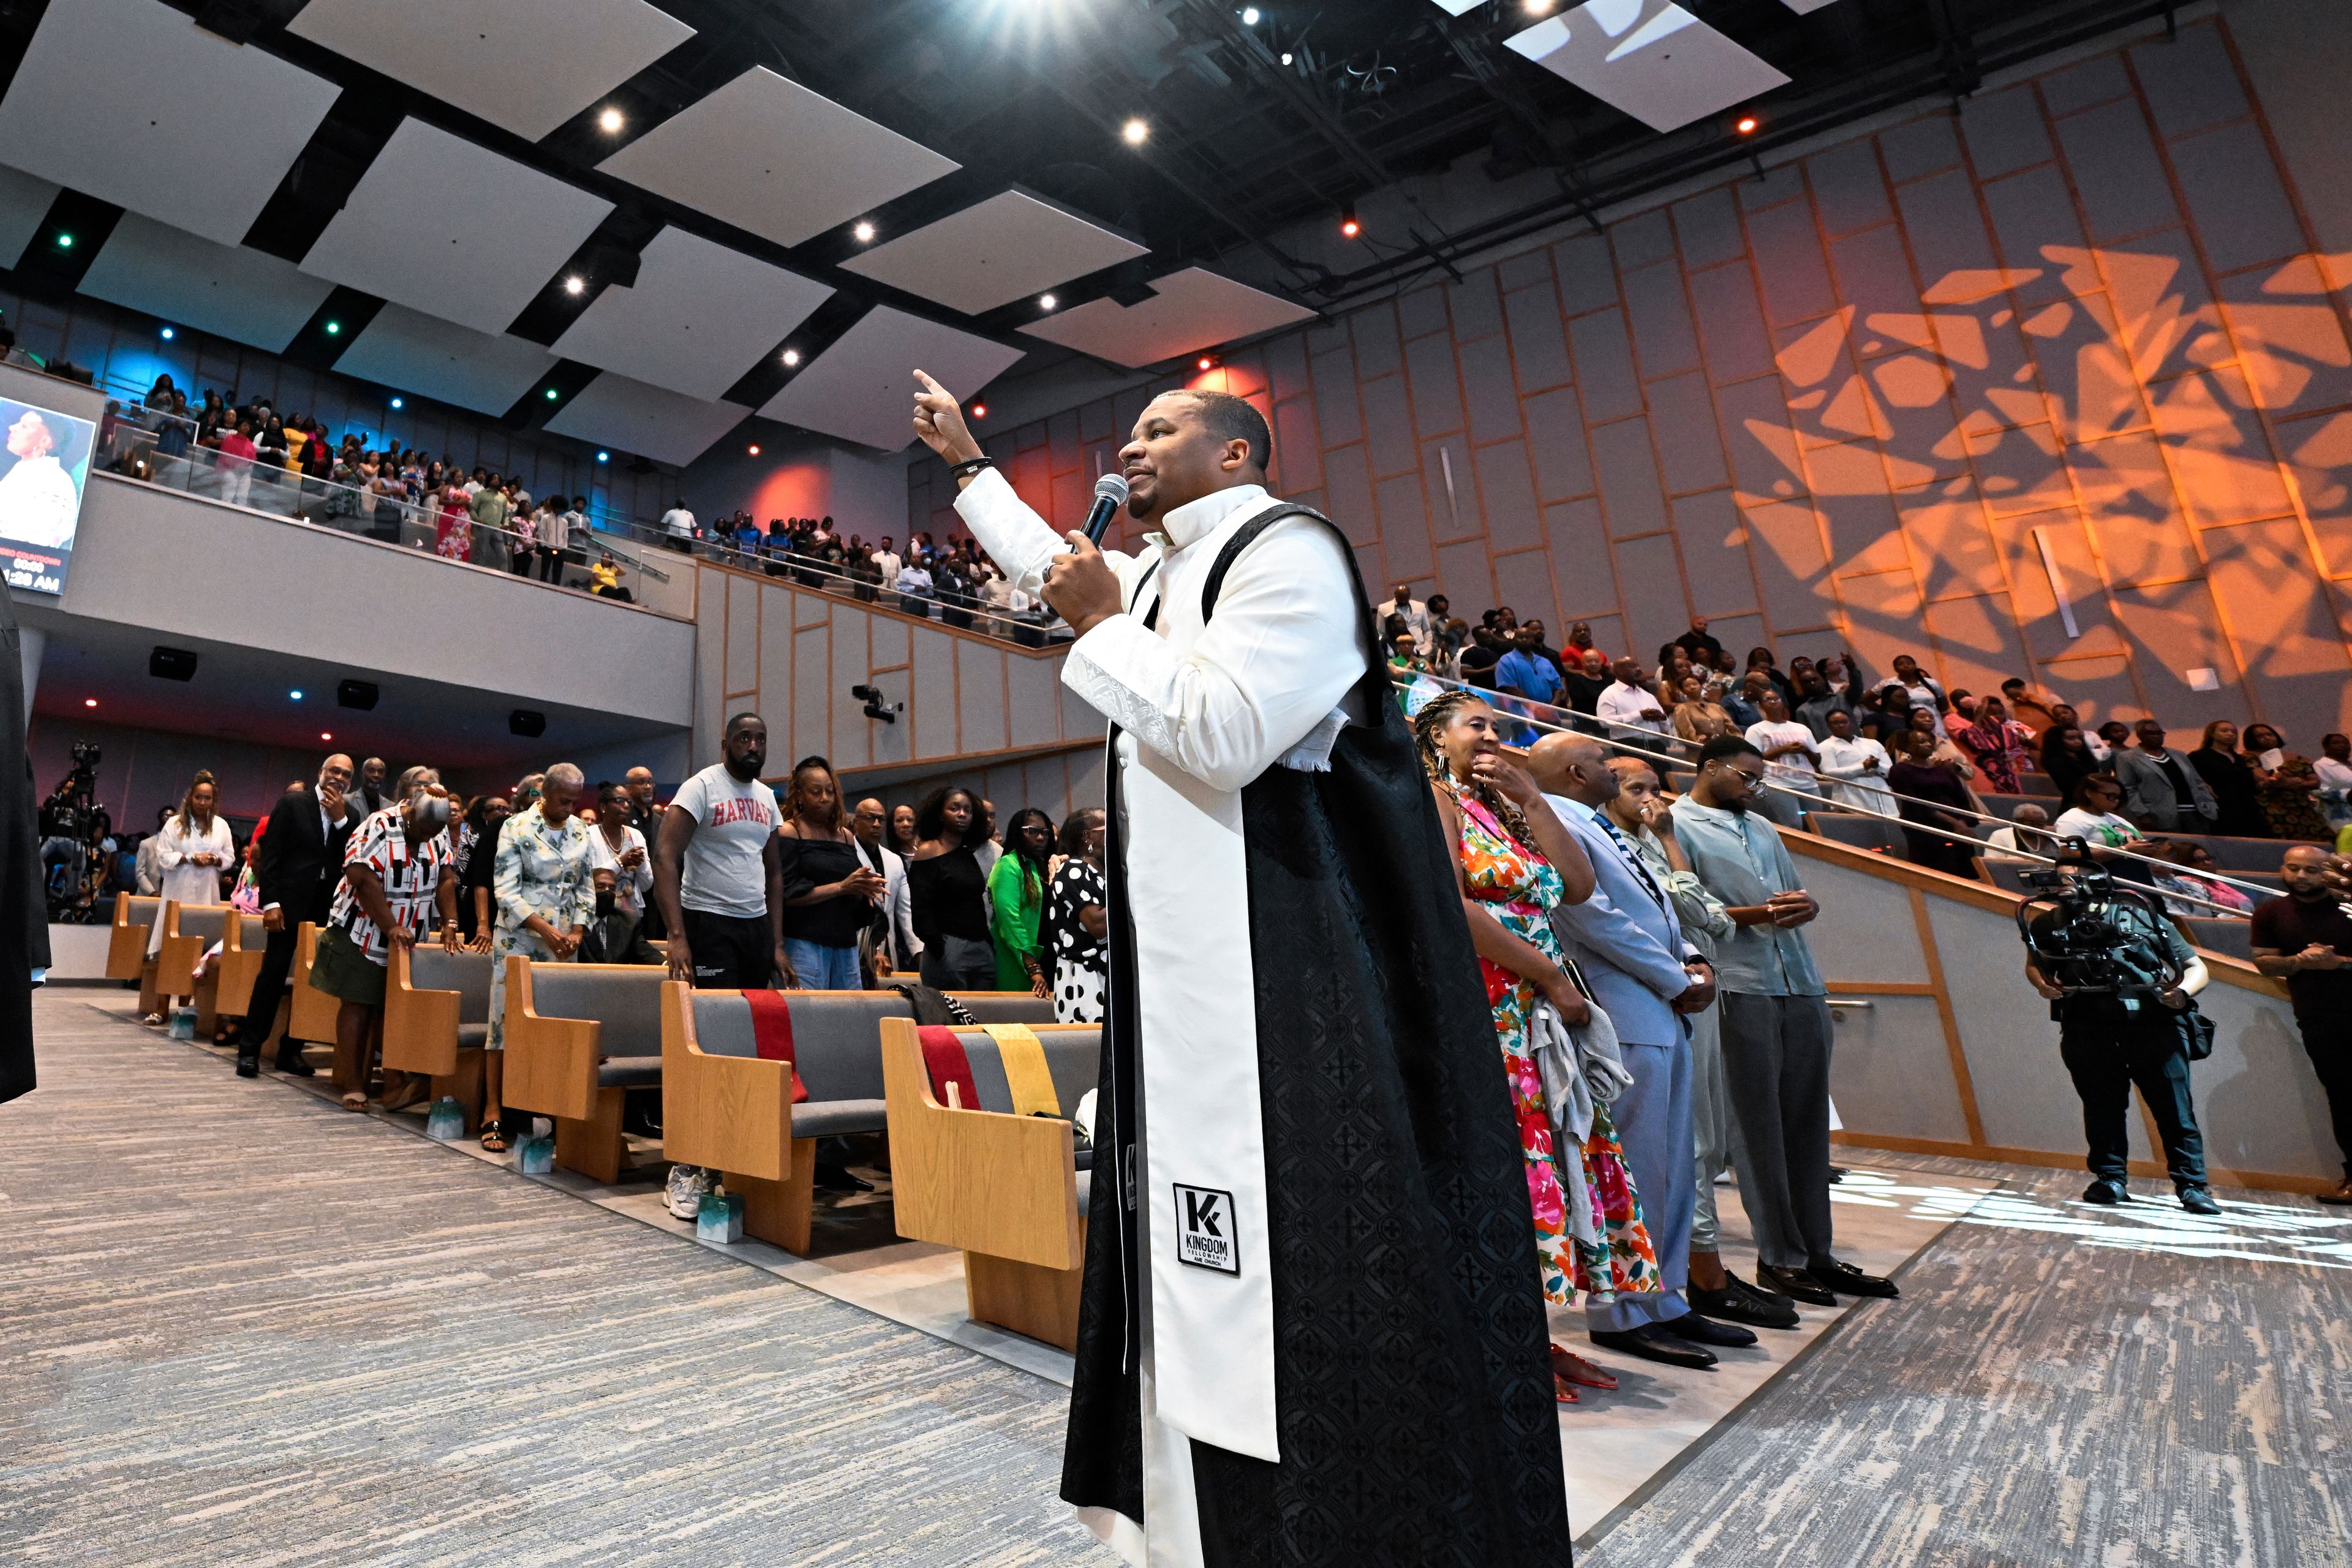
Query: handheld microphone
1110,494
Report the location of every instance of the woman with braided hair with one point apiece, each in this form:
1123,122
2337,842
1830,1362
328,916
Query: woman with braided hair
1517,861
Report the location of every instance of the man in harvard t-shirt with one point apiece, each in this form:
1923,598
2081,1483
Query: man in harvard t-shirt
2306,939
717,877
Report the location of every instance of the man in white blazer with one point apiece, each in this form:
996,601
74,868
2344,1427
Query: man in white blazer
1630,946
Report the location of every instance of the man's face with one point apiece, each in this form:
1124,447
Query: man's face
1404,596
2304,872
1174,458
1526,636
29,437
2150,735
1595,667
640,784
336,771
1734,781
372,772
869,822
1626,670
1774,709
1698,624
2115,732
745,750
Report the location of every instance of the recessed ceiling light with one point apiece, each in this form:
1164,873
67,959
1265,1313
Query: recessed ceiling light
1136,132
334,328
1286,59
1746,126
296,694
90,701
398,403
1046,301
575,284
1249,15
1206,363
169,334
550,395
325,735
753,449
603,457
65,242
610,121
864,232
792,357
980,411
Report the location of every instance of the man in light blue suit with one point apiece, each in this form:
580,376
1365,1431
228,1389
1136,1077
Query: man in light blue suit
1645,976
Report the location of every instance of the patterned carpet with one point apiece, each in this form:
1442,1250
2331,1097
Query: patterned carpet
2061,1384
238,1326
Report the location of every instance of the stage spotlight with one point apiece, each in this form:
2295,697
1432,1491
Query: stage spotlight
1286,59
865,233
753,449
65,242
1249,15
792,358
1537,8
1046,301
980,411
575,284
90,701
169,334
1136,132
610,121
1746,125
326,735
1207,361
1349,227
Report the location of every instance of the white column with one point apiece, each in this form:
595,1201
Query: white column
31,642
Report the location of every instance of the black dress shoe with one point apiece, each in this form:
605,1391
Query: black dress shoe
292,1064
1847,1280
837,1179
2107,1194
1740,1303
1652,1342
1697,1330
1795,1284
2197,1200
248,1064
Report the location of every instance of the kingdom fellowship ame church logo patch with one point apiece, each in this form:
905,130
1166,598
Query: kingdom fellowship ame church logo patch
1204,1229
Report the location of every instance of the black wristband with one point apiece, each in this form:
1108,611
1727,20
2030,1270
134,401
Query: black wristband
971,467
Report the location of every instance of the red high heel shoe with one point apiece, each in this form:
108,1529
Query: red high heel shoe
1567,1366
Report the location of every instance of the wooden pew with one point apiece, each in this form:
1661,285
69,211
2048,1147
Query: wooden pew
437,1008
188,930
725,1108
1002,1188
311,1013
599,1036
127,943
240,966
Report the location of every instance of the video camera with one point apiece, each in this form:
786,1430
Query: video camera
2082,947
69,862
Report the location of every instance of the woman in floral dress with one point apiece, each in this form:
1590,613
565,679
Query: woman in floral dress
2286,786
1518,861
2001,747
545,898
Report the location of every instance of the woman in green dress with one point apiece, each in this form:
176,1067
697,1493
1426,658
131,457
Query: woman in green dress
1016,899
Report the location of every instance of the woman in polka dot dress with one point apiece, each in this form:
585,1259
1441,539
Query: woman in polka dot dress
1075,916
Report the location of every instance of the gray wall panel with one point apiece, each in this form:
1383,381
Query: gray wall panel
980,697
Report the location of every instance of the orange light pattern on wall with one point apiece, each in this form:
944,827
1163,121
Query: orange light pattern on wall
1853,401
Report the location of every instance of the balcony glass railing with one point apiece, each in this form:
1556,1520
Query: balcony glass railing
159,450
1035,626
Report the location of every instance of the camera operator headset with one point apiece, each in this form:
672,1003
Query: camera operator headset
2122,984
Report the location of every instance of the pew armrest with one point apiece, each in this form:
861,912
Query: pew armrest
976,1180
551,1064
728,1113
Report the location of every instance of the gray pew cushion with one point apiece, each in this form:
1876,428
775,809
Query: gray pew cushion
626,1001
252,935
467,973
204,921
839,1118
628,1072
473,1036
1005,1007
1073,1059
836,1038
144,911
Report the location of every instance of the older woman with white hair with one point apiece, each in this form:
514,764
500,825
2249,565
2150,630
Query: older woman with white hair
545,897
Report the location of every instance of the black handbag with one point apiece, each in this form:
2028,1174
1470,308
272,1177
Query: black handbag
2197,1032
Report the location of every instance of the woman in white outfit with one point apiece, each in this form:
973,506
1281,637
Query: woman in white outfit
192,850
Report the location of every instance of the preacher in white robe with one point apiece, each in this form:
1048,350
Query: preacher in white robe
1311,1330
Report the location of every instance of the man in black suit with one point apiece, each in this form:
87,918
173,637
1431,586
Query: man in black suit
301,861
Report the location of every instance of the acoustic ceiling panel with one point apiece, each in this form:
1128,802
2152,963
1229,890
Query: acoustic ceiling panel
409,351
24,201
1188,311
243,295
498,232
651,421
770,156
989,254
1648,58
698,316
862,389
525,66
129,102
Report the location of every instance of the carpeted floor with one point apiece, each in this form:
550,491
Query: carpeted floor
2061,1384
238,1326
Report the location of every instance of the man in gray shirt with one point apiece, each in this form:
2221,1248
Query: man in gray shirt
1776,1027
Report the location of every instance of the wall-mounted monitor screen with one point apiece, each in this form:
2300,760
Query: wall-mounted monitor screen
43,470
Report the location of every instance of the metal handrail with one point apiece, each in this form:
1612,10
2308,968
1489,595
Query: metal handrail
2019,852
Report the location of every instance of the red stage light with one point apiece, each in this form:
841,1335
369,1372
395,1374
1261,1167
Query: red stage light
1746,126
1207,362
90,701
1349,227
754,448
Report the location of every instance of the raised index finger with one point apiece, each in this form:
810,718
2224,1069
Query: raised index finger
930,385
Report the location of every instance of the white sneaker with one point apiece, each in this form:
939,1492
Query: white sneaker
688,1186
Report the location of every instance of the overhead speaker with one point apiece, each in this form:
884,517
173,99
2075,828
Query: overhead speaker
359,694
525,723
172,663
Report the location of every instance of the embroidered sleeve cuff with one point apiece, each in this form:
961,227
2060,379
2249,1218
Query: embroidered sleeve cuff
1108,667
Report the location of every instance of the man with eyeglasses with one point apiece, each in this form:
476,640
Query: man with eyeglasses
1776,1027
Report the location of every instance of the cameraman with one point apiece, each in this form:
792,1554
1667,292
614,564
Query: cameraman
63,825
2114,1033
